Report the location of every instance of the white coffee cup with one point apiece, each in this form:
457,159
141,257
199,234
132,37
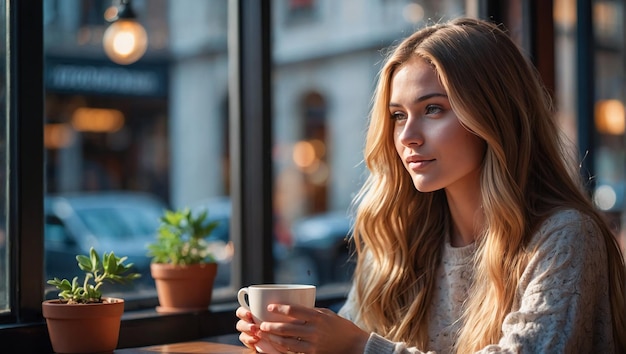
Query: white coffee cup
255,298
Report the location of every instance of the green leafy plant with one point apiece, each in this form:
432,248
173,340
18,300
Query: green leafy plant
98,270
181,238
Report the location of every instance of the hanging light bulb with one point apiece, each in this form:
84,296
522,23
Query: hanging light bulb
125,41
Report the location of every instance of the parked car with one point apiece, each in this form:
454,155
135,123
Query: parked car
324,238
122,222
317,252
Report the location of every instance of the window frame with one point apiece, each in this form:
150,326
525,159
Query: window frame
26,159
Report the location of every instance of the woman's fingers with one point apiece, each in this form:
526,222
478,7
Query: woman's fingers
244,314
247,327
312,330
289,344
249,335
248,340
299,314
297,334
249,330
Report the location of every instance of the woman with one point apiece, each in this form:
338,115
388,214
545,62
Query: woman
473,232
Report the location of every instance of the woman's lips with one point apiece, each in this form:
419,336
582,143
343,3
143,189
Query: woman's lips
417,165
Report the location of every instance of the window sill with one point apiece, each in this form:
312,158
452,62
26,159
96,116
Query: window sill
139,328
146,327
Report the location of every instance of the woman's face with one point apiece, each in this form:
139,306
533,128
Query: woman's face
437,151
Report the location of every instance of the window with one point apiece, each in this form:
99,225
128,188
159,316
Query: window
123,143
591,98
609,116
155,134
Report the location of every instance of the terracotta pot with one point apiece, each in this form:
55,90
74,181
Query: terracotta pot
185,288
83,328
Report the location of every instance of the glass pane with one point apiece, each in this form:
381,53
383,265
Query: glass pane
326,58
610,120
123,142
4,84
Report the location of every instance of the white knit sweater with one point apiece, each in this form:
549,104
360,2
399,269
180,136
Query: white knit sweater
564,303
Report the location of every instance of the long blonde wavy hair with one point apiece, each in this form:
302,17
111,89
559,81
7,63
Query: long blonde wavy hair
399,232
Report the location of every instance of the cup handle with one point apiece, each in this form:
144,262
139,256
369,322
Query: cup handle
241,297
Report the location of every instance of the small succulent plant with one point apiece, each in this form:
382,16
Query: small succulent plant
181,238
98,270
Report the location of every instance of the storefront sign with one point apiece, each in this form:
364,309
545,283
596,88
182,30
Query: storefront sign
67,77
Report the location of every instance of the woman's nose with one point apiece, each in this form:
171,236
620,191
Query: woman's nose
411,133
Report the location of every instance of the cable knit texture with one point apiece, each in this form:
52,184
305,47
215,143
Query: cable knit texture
563,296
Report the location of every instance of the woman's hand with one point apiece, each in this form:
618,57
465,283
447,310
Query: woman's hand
313,331
249,330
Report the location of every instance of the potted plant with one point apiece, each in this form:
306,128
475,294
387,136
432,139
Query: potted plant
182,266
82,320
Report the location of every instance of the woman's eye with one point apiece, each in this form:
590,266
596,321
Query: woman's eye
397,116
433,109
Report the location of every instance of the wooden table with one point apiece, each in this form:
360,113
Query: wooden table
189,347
